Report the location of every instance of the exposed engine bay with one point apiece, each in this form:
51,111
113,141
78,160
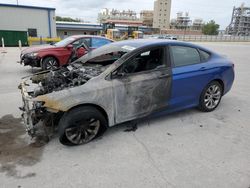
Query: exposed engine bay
65,77
41,109
34,114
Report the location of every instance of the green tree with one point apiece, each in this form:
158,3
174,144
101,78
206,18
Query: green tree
211,28
67,19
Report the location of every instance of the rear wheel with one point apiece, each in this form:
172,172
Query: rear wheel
211,97
50,63
81,125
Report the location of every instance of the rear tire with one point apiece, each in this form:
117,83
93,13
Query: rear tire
81,125
210,97
50,63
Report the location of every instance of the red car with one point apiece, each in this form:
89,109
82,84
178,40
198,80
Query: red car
61,53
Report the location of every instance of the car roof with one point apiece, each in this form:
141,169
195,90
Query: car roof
141,43
87,36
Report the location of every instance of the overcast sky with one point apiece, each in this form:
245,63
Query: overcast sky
219,10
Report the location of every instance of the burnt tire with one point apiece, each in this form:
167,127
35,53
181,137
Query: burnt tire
210,97
81,125
50,63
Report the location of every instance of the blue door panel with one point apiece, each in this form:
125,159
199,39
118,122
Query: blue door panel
188,83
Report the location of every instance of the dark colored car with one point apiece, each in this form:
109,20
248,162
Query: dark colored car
124,81
171,37
61,53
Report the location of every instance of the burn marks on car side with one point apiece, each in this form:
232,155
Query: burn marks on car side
140,95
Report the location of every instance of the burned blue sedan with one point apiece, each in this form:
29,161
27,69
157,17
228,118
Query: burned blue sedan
124,81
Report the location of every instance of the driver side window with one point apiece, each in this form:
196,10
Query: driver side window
145,61
78,43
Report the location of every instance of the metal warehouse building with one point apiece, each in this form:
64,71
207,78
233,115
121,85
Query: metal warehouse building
65,29
17,22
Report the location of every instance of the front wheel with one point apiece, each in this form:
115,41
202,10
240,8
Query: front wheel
81,125
50,63
211,97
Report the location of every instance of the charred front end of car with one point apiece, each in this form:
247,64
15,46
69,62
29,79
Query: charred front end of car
39,111
34,115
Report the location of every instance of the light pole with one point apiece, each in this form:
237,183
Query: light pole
185,28
17,2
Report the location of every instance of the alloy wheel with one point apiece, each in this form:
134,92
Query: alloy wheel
212,96
51,64
82,132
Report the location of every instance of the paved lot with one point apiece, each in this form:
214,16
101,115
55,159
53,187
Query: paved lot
185,149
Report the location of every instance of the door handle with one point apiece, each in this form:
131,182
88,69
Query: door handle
202,69
163,75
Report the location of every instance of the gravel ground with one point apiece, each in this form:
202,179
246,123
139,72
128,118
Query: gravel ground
184,149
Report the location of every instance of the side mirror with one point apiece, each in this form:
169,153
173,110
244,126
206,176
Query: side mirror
160,67
70,46
117,74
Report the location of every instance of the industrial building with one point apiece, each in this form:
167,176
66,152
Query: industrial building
147,16
162,10
126,17
19,21
240,21
183,25
65,29
182,21
197,24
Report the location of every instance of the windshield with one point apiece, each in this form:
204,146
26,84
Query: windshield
65,42
107,49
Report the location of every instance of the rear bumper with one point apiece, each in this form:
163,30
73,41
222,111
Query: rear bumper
228,79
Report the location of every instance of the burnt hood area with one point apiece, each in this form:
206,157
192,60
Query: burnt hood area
65,77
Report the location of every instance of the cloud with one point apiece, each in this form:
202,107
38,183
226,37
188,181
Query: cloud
83,4
88,10
220,11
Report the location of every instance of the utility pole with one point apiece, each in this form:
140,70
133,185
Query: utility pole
17,2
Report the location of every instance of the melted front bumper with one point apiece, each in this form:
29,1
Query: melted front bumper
32,111
27,110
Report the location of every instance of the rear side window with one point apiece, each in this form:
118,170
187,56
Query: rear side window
204,55
183,55
98,42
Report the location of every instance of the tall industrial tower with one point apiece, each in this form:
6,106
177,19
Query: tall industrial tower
240,22
162,9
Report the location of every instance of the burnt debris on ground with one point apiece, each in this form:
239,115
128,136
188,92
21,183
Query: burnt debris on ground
15,149
131,127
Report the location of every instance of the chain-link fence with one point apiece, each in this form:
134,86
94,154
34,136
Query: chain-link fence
213,38
210,38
